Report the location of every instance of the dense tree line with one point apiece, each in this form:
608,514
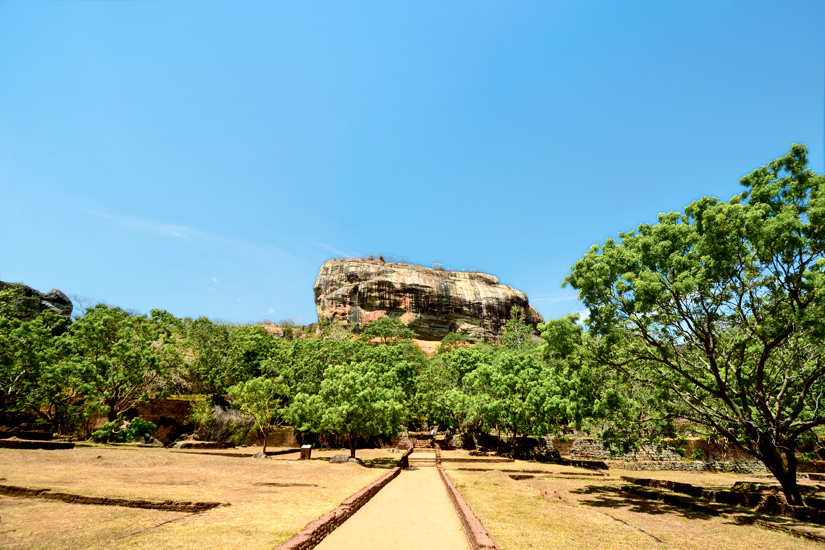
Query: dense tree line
709,322
353,386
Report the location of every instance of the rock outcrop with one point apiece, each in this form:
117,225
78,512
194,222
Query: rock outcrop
432,302
54,300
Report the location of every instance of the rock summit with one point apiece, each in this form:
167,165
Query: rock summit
54,300
432,302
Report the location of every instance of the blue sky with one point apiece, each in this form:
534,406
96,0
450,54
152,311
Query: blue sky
207,157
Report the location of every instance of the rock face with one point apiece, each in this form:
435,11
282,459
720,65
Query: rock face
432,302
53,300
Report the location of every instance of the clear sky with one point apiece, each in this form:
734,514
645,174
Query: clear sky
207,157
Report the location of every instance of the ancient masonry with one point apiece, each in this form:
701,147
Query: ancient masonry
432,302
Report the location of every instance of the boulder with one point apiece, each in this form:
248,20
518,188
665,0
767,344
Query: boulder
53,300
432,302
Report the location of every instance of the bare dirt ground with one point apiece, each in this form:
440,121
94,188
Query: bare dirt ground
270,500
594,512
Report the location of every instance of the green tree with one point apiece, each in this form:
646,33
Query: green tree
517,392
583,391
518,335
403,360
14,304
121,358
442,392
208,347
388,330
451,341
34,380
359,399
262,399
222,355
720,309
27,349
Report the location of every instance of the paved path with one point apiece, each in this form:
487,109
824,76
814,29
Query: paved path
412,512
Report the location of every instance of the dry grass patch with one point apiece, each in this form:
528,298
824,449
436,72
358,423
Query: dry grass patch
596,513
270,500
46,525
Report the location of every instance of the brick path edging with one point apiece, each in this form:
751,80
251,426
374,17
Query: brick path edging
477,536
165,505
315,531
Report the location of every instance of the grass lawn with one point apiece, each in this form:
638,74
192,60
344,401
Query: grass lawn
269,500
594,513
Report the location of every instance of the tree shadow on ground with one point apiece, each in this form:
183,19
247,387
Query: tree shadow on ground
385,462
606,496
266,484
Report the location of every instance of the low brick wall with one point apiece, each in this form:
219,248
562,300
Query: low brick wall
471,459
205,445
26,434
537,472
593,449
772,526
237,455
404,463
691,466
316,531
477,536
766,503
33,444
279,437
165,505
586,464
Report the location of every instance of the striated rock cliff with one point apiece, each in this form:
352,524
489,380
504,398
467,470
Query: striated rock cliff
432,302
54,300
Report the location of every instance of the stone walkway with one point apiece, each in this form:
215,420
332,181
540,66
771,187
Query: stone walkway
412,512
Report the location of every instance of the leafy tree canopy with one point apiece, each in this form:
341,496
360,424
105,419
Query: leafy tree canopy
359,399
120,358
518,335
262,399
720,310
388,329
32,378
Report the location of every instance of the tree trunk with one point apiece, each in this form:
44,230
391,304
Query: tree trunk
111,414
56,418
789,485
782,464
264,434
353,441
515,445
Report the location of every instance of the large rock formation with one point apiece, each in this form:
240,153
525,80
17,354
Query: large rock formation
432,302
54,300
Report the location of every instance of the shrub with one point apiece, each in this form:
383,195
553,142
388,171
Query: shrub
121,431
